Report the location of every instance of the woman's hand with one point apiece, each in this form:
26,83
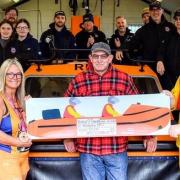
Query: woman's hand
174,130
26,143
172,99
27,97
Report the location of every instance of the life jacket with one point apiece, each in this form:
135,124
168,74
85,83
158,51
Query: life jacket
70,112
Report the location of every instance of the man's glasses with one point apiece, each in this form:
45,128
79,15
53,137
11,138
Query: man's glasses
101,56
22,28
12,75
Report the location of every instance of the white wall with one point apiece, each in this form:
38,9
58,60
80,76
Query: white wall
40,13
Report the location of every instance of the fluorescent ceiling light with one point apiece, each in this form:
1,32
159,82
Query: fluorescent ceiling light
15,1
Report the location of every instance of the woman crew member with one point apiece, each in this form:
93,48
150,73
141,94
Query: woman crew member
27,47
7,49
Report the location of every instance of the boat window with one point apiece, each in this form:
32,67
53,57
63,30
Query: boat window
146,85
47,86
56,86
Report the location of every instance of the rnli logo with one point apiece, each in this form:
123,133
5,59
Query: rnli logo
96,35
167,29
13,50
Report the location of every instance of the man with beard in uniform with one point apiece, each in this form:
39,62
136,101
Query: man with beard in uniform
57,37
120,39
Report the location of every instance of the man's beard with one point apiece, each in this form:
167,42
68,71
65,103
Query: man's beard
122,30
60,25
11,19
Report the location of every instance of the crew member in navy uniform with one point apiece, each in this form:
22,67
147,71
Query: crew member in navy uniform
88,36
7,49
26,47
172,53
120,39
152,38
57,37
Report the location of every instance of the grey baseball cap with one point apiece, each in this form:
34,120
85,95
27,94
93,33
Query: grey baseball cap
101,46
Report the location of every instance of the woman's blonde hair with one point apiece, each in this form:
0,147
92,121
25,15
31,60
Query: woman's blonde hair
20,93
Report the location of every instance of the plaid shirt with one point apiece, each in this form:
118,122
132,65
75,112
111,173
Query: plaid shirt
113,82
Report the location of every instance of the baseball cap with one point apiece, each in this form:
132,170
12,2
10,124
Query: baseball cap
177,13
88,17
101,46
155,4
61,13
145,11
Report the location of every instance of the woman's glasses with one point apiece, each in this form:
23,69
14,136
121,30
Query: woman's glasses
22,28
14,75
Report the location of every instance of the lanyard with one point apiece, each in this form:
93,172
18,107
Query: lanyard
19,112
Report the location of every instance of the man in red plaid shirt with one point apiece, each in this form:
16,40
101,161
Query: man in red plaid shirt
105,157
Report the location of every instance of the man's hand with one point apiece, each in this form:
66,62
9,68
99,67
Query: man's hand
174,130
117,42
119,55
150,144
69,145
160,68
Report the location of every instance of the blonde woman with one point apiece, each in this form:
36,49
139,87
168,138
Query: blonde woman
12,122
